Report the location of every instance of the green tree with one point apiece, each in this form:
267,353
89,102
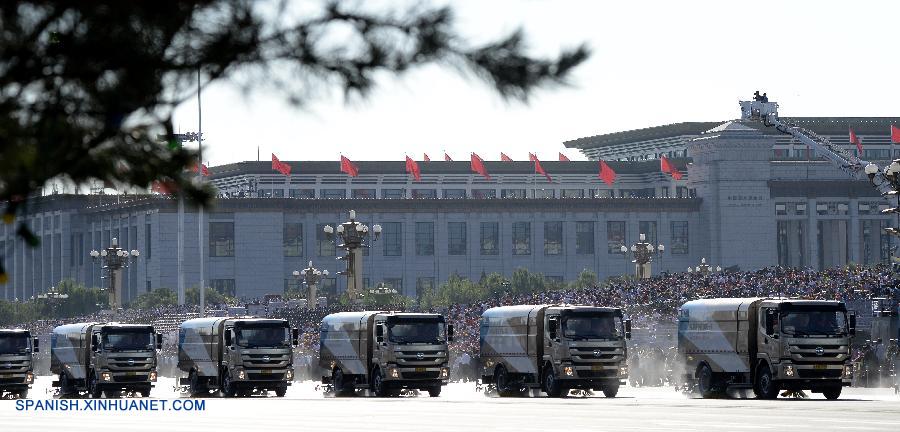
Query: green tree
155,298
192,297
586,279
526,282
87,88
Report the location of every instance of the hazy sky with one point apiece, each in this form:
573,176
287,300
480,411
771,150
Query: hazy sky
653,63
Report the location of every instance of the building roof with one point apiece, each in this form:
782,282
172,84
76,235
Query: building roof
820,125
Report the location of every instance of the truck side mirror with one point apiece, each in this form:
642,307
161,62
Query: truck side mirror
770,323
552,327
228,338
95,342
628,329
450,333
379,333
852,324
158,340
295,336
37,345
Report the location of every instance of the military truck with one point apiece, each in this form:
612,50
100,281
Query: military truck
104,359
17,348
767,344
384,352
236,355
555,348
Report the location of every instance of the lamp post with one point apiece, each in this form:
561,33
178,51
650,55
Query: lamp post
887,182
380,293
114,259
52,296
704,268
311,277
643,252
353,234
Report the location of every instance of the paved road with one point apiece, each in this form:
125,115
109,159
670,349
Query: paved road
461,409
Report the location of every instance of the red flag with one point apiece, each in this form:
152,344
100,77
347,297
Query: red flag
162,187
668,168
427,159
563,158
447,157
505,158
203,169
537,166
413,168
895,134
607,174
349,167
280,166
855,140
478,166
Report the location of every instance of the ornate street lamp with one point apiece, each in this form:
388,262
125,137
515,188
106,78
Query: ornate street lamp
887,182
704,268
52,297
311,277
643,252
113,260
353,235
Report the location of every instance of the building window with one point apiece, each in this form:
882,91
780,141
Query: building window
572,193
424,238
392,194
424,285
363,193
679,238
615,236
584,238
223,286
334,193
780,209
648,228
490,238
512,193
484,193
302,193
324,245
293,239
521,238
329,287
545,193
393,238
553,238
148,243
293,288
221,239
424,194
454,193
456,238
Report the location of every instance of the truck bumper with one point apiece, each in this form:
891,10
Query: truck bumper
813,376
261,377
16,381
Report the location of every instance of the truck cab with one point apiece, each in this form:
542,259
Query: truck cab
17,349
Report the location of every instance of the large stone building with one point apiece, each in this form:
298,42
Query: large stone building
749,198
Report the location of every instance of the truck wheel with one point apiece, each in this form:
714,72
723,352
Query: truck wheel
23,394
501,380
65,389
705,382
434,391
228,387
611,390
551,385
145,391
832,393
379,389
280,391
195,388
764,386
94,386
341,386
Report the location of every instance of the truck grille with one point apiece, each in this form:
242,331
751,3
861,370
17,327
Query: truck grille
421,357
14,365
130,362
265,360
822,373
817,353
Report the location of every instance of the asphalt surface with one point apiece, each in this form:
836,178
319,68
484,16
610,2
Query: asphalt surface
461,408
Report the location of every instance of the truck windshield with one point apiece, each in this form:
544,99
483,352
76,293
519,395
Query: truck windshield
592,326
262,335
13,343
417,331
811,322
127,339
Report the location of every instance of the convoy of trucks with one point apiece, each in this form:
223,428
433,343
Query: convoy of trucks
384,352
236,355
767,344
555,348
104,359
17,349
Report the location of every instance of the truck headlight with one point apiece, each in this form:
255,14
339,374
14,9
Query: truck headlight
789,370
394,373
445,373
241,375
568,371
153,376
106,376
289,375
623,370
848,372
29,378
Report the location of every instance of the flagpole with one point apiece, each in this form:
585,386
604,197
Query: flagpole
200,208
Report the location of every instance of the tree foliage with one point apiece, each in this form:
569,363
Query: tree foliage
81,301
87,88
